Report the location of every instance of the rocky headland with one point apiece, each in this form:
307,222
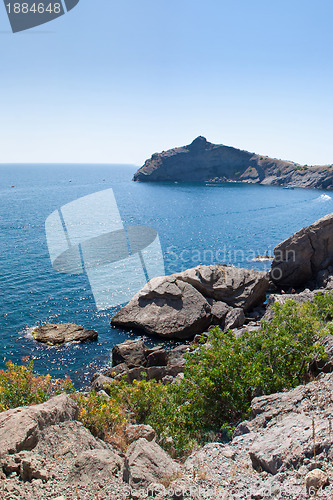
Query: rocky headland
202,161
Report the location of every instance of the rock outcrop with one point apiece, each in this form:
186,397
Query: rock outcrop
305,256
20,428
202,161
274,454
60,333
135,360
184,304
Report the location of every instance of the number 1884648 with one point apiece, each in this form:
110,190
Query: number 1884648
35,8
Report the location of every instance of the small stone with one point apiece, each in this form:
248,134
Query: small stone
315,480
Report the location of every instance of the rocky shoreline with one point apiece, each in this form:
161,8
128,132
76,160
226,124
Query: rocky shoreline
284,449
202,161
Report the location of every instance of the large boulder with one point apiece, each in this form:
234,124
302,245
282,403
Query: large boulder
184,304
167,307
234,286
67,440
146,462
304,255
20,428
61,333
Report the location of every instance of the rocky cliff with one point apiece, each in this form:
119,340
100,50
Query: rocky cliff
202,161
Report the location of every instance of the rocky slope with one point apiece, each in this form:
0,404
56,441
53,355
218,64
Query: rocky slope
284,451
202,161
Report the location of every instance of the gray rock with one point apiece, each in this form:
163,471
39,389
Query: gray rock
135,432
130,353
315,480
26,464
219,311
300,258
157,372
167,307
95,465
100,383
115,370
177,306
20,427
60,333
157,357
176,356
147,463
234,286
234,319
67,440
283,445
32,466
137,373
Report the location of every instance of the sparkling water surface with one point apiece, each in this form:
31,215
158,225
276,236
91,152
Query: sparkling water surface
197,223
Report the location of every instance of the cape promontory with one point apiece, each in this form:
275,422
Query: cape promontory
202,161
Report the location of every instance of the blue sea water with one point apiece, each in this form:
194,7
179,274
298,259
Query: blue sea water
197,223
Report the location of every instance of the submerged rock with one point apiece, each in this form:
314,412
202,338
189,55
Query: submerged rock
60,333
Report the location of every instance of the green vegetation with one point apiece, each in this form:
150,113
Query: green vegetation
298,167
20,386
220,379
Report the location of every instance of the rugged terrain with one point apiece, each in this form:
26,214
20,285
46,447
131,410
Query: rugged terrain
202,161
283,451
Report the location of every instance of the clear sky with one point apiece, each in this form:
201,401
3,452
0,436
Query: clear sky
115,81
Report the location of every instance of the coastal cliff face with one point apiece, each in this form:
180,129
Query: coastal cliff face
202,161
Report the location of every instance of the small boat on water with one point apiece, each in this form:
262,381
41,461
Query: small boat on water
288,187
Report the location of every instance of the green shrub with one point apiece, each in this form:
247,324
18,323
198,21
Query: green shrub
20,385
100,414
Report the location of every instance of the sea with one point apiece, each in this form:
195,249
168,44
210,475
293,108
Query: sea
197,223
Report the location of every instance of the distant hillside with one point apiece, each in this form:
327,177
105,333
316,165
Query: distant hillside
202,161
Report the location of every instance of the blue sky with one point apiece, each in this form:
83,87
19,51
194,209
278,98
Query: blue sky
113,82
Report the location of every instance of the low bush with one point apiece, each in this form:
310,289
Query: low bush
221,377
21,386
100,414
